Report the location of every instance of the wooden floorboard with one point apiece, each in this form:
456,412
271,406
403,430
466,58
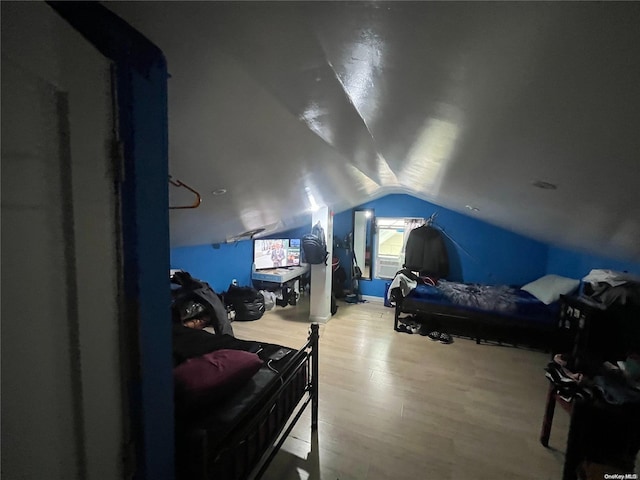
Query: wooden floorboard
400,406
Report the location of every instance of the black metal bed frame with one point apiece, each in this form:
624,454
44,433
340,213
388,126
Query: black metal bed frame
478,325
255,439
306,357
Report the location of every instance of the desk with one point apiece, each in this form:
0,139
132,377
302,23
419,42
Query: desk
280,275
282,278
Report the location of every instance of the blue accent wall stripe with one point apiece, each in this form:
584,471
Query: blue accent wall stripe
478,251
147,171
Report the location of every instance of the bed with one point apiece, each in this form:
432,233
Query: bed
519,316
235,432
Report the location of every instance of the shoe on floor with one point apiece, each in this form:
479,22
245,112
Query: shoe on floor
445,338
560,359
404,329
557,375
435,335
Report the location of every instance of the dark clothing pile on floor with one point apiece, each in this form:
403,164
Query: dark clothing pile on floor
607,382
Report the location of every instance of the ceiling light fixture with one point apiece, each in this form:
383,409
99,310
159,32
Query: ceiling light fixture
219,191
544,185
472,208
314,207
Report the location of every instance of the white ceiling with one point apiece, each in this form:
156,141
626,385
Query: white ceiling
456,103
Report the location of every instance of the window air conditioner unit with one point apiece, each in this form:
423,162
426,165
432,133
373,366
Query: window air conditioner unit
388,266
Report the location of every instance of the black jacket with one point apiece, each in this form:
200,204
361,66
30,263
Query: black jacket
426,252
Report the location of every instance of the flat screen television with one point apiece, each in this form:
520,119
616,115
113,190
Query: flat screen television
276,252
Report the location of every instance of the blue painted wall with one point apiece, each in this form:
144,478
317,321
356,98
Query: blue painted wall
219,264
576,264
216,266
478,251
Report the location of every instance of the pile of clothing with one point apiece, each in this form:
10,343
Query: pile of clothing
610,287
613,384
569,384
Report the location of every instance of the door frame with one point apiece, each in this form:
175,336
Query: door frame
142,128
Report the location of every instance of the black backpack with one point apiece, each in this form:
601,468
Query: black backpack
314,246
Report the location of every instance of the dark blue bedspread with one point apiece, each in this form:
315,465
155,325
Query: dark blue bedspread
501,300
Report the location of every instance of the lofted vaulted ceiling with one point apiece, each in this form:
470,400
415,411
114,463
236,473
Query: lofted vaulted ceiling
460,104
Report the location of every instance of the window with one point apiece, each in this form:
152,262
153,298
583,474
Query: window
392,235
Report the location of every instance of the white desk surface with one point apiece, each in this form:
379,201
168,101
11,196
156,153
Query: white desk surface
280,275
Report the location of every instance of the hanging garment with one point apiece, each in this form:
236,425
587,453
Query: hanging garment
426,252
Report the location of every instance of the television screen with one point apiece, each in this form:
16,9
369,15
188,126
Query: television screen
277,252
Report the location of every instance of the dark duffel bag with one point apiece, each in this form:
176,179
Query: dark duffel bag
247,302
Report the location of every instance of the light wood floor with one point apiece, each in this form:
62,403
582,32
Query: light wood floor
400,406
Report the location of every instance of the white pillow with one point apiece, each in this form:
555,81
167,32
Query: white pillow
548,289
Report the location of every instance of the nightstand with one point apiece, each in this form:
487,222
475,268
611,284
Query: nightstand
583,328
